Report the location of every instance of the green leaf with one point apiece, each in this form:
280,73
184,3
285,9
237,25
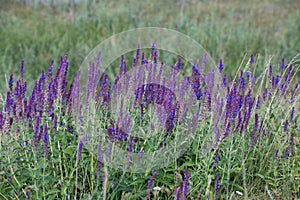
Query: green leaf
259,175
63,188
70,150
53,192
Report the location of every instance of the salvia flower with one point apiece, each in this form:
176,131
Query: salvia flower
242,82
150,183
292,114
221,65
144,60
1,120
248,75
253,137
79,149
50,68
137,53
261,128
140,153
186,182
251,59
258,103
265,94
282,64
22,70
129,150
46,140
11,82
225,80
286,153
9,102
276,154
217,185
292,142
121,64
216,159
27,194
178,192
104,84
176,180
179,63
286,123
270,71
153,49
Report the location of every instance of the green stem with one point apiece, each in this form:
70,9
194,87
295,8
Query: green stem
228,169
44,195
244,168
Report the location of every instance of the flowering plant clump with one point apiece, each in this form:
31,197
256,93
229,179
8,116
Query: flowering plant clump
253,131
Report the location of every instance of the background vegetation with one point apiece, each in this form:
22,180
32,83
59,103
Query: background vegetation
229,29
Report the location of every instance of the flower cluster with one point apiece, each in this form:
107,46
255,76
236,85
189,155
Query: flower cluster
53,105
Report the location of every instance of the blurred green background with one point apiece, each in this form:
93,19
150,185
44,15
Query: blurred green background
39,30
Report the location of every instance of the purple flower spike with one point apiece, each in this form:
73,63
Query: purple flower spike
22,70
276,154
129,150
225,80
11,82
292,142
285,126
251,59
104,84
150,183
27,194
258,103
292,114
282,64
179,63
153,50
216,160
46,140
217,186
265,94
286,153
137,54
253,137
186,182
79,150
50,68
144,60
1,120
221,65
